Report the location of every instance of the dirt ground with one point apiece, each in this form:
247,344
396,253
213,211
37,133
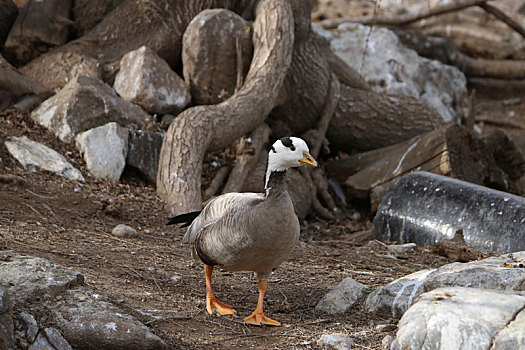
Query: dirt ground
154,278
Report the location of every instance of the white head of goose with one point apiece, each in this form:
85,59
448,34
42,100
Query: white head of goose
249,231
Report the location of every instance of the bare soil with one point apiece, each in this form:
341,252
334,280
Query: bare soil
154,278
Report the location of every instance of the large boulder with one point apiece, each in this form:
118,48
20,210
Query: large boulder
147,80
503,274
104,149
462,318
143,153
35,156
389,67
85,103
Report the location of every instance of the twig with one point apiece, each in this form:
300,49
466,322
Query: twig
471,117
181,318
36,211
405,18
39,195
503,17
332,98
114,238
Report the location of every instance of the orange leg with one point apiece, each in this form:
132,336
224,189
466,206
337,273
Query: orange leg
257,318
211,301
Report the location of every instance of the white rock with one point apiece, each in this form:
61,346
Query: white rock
456,318
402,248
390,67
513,335
34,157
147,80
397,296
342,297
338,341
82,104
104,149
122,230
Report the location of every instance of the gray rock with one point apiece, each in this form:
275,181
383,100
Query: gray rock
122,230
105,149
29,278
89,323
338,341
397,296
85,103
35,156
56,339
30,326
402,248
342,297
147,80
6,321
41,343
390,67
491,273
144,152
456,318
513,335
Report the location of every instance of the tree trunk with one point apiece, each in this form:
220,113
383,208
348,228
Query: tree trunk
203,128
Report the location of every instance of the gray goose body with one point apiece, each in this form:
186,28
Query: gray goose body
249,231
246,231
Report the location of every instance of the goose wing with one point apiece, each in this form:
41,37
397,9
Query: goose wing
217,209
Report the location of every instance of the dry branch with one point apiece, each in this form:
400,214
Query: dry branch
216,182
503,17
404,18
203,128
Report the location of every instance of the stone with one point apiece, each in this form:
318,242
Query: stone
144,153
389,67
104,149
85,103
147,80
30,326
29,279
402,248
340,299
338,341
397,296
41,343
501,273
56,339
457,317
35,156
122,230
513,335
6,321
386,343
89,323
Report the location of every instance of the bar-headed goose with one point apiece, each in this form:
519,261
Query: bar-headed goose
249,231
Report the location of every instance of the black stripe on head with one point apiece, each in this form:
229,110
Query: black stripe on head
273,149
286,141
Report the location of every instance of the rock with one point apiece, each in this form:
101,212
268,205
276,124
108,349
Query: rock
6,321
425,208
499,273
402,248
512,336
88,13
122,230
34,157
144,152
85,103
29,279
28,326
8,14
390,67
56,339
338,341
457,317
342,297
147,80
397,296
104,149
88,323
209,42
502,273
386,343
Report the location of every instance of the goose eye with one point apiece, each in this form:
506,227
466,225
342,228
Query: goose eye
292,148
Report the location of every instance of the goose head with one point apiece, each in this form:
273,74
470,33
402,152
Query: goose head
289,152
